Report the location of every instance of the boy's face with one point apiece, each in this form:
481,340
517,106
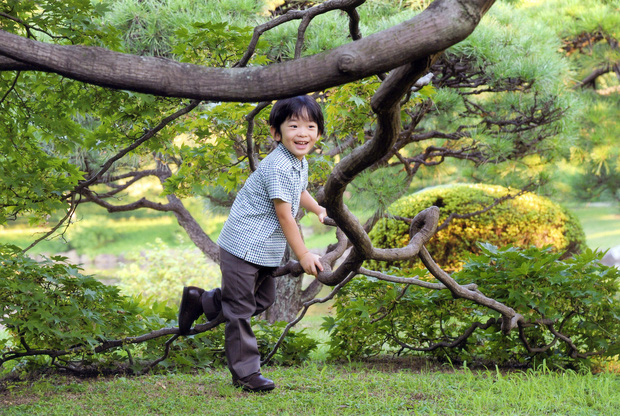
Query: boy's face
298,135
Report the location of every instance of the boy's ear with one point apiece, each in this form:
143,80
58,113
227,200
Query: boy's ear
274,134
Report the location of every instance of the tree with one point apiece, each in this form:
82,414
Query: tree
589,38
389,130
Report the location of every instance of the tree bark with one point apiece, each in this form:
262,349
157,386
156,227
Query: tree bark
441,25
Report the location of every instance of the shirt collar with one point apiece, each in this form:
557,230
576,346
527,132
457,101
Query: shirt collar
297,164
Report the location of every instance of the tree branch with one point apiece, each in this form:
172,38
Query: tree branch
445,344
252,159
510,317
441,25
11,88
294,15
148,135
72,207
303,313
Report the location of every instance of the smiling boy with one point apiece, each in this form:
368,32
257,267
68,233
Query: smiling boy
253,240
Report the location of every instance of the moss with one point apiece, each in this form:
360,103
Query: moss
524,221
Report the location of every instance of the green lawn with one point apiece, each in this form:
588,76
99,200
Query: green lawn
601,224
393,388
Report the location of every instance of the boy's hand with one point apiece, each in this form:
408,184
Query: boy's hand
322,214
310,262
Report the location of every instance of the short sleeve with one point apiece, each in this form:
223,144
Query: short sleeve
279,185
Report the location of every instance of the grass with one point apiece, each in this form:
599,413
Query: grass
404,387
601,224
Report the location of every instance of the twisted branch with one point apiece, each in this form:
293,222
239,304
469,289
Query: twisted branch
306,16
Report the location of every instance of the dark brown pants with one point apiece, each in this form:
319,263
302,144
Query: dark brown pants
245,293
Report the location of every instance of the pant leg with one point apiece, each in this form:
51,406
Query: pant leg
239,280
265,292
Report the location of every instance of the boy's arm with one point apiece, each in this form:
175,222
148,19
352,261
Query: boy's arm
309,204
309,261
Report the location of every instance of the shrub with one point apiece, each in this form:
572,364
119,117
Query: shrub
580,294
526,220
295,348
161,272
49,306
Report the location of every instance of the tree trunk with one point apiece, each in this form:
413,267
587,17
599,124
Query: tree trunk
288,299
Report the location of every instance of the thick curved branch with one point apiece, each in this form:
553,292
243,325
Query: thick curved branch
385,103
354,22
441,25
510,317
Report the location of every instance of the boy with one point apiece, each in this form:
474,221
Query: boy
254,237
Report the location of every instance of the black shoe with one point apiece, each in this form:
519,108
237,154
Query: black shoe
190,309
254,383
212,303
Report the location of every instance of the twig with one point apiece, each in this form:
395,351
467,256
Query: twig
294,15
303,313
148,135
72,207
249,134
483,210
11,88
391,308
454,343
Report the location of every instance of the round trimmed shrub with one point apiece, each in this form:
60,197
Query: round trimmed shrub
523,221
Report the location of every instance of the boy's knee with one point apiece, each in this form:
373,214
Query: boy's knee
264,305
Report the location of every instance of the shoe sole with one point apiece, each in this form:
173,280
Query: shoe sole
256,390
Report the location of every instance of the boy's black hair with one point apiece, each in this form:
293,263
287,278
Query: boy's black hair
301,106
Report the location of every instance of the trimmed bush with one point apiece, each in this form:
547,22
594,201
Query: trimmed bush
523,221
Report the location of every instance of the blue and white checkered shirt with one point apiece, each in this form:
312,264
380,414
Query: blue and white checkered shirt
252,231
